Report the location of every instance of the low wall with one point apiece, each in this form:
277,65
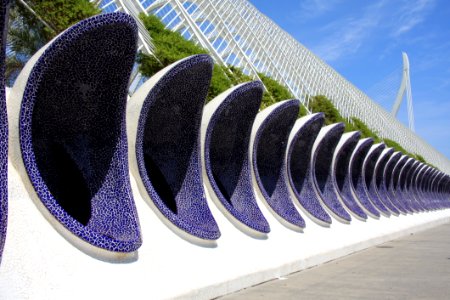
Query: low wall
39,264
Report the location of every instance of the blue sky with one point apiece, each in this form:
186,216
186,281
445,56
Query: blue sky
363,40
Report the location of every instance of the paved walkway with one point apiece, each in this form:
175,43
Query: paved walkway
414,267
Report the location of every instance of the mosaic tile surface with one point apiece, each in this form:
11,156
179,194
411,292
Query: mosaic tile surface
414,191
299,170
369,178
322,170
392,188
411,185
402,186
357,181
227,154
168,146
379,178
388,171
269,151
4,6
341,174
72,131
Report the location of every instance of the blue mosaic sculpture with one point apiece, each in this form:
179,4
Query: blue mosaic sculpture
440,190
411,185
72,131
226,128
341,173
418,193
379,179
387,179
357,182
164,119
368,172
322,158
4,6
270,135
299,167
401,188
392,188
430,189
425,188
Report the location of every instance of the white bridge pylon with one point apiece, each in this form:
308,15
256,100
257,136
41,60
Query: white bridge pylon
405,86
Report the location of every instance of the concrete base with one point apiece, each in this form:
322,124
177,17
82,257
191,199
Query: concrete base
38,263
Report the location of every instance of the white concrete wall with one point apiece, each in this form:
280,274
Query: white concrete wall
38,263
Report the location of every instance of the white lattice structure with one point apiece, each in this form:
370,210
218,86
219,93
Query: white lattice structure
236,33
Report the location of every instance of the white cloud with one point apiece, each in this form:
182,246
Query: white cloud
349,34
411,14
309,9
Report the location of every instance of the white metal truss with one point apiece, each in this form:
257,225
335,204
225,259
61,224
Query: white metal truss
236,33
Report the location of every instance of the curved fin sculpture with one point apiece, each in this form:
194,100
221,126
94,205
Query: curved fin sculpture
270,133
341,174
357,178
379,181
299,167
68,109
164,119
402,189
420,187
387,181
394,183
369,178
322,158
226,127
413,190
4,8
406,187
430,189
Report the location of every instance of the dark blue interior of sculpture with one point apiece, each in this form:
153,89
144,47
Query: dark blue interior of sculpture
272,145
324,156
369,168
396,173
342,175
300,157
409,186
322,170
393,177
402,184
379,176
227,158
299,161
343,161
415,183
370,164
357,176
357,163
269,162
72,131
379,181
167,146
390,167
4,5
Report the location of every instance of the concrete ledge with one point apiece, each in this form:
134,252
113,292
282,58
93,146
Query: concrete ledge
39,264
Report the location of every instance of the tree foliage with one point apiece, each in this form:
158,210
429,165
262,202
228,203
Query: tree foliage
321,103
30,29
364,129
171,46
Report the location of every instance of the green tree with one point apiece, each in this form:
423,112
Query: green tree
364,129
171,46
321,103
32,26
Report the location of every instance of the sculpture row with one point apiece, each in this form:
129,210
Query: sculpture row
74,138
